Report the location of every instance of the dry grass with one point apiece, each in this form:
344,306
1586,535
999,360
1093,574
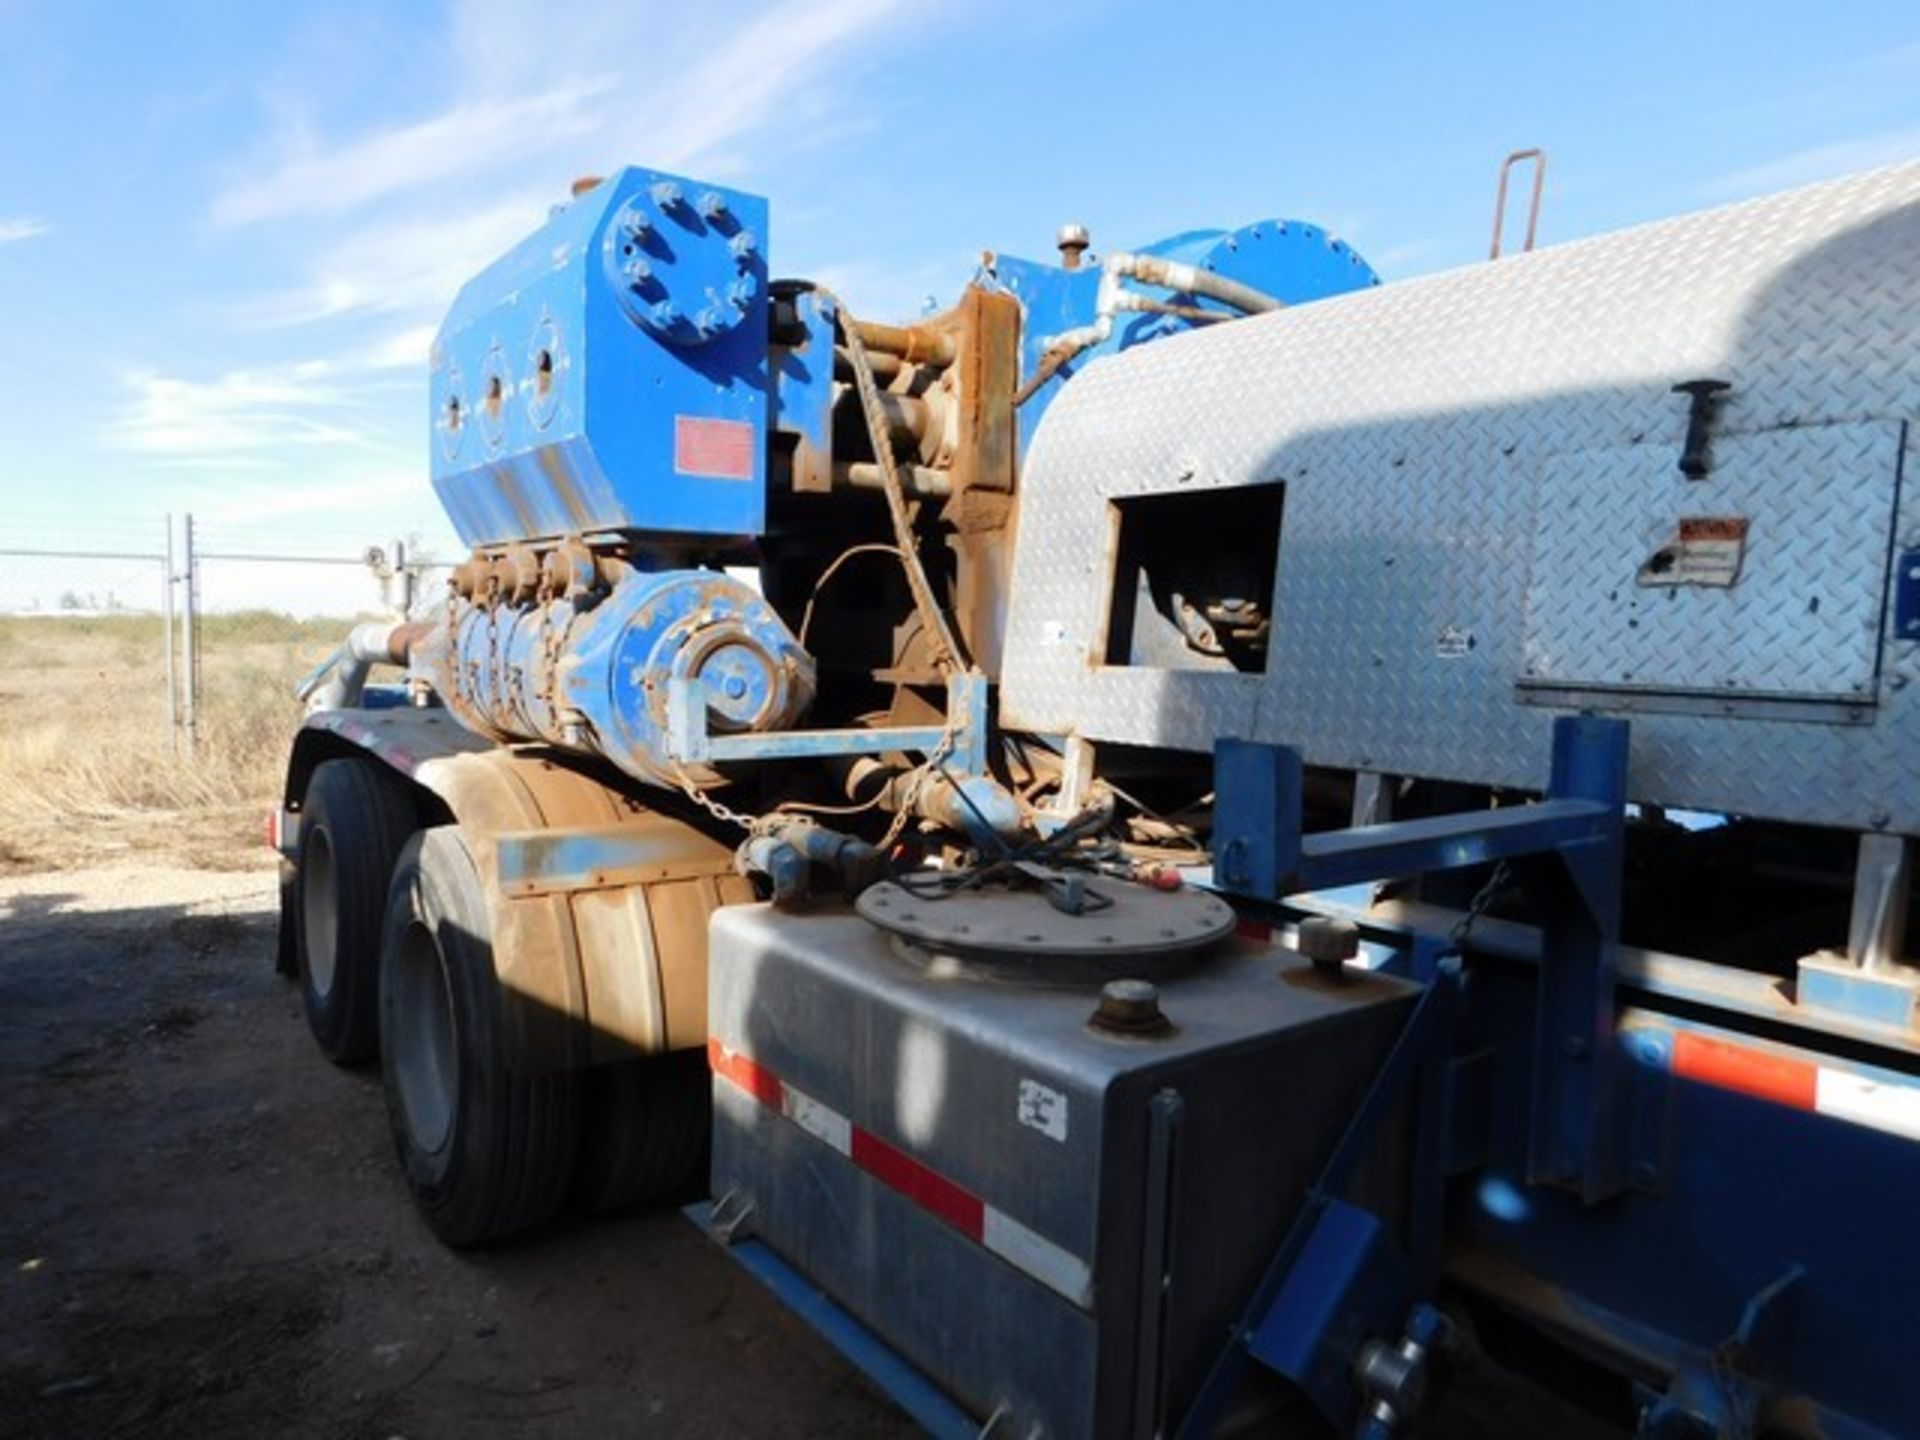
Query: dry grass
88,770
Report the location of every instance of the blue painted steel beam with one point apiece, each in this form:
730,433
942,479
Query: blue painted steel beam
812,744
1447,842
927,1404
1576,1140
964,736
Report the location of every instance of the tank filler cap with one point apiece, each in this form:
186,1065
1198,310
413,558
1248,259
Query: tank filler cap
1121,930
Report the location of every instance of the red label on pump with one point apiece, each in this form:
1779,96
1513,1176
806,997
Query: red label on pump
713,449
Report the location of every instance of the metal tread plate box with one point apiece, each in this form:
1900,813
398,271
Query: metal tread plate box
1484,515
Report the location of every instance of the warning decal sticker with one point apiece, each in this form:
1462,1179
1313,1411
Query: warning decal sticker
1703,550
712,449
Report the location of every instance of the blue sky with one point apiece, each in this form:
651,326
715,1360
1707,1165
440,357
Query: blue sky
227,231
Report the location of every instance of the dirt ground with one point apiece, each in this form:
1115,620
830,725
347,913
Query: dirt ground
203,1233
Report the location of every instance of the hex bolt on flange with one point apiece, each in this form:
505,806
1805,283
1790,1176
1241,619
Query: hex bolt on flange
1328,943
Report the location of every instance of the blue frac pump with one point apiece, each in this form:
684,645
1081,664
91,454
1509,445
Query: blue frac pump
1220,748
630,416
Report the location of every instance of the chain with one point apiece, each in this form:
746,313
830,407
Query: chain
942,748
1476,907
753,824
725,814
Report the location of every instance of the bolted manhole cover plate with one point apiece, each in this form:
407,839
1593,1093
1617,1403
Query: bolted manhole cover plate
996,920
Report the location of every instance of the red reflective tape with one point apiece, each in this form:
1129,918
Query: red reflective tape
928,1189
888,1164
743,1074
995,1231
1746,1070
714,449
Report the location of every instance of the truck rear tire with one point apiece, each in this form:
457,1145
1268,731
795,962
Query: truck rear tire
354,820
644,1135
486,1151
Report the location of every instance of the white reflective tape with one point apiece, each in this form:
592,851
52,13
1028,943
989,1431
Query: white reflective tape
1061,1271
820,1121
1848,1096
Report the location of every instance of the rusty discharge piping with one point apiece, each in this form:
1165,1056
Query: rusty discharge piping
920,481
374,643
885,367
912,343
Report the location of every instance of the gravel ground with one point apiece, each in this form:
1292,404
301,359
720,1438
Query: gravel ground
203,1233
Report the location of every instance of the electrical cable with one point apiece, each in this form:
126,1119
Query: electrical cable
871,548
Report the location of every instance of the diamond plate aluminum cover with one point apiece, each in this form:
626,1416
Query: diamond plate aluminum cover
1419,428
1801,618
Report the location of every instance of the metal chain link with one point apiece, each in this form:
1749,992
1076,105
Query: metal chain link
1476,907
725,814
753,824
931,765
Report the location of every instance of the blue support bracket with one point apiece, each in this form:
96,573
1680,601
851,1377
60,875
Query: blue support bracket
1576,1138
1349,1283
1300,1320
1261,852
1337,1278
691,743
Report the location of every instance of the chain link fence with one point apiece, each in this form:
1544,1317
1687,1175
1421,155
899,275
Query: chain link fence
149,666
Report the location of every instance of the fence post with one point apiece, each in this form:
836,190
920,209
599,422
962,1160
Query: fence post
405,571
189,623
166,631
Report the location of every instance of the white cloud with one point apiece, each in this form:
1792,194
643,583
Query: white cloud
743,84
411,263
471,136
404,350
246,418
22,227
691,83
1820,162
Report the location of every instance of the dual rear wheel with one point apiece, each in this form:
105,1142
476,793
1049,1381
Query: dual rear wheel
396,956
